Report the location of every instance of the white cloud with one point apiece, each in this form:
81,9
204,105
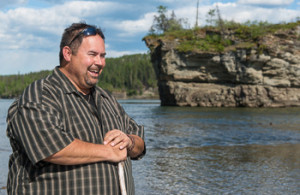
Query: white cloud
176,1
55,18
189,13
31,36
114,53
266,2
12,62
133,27
242,13
35,28
111,53
238,13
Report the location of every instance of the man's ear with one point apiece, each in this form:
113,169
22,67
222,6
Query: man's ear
67,53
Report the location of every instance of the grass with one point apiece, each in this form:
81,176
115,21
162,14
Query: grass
210,39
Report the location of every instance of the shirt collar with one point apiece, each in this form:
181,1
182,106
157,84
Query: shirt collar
68,87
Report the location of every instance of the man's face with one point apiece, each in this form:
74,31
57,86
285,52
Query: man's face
85,67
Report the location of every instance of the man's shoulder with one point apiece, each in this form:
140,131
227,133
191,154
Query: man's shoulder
34,92
31,94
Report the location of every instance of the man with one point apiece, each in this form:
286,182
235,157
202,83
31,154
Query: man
67,134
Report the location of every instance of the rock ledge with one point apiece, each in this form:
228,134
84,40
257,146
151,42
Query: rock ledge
242,77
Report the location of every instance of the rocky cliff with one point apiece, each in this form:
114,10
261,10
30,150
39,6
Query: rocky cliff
236,77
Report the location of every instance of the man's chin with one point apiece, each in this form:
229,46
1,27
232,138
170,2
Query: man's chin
93,82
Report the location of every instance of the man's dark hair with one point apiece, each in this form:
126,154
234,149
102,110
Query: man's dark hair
69,35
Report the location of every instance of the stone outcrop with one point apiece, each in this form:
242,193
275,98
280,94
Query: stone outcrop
239,77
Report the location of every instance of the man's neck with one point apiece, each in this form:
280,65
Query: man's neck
84,91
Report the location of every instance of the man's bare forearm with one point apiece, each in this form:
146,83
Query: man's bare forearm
80,152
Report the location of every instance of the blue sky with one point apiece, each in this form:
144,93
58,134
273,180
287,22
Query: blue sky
31,29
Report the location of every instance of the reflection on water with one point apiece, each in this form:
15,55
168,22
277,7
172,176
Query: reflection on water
218,150
224,170
209,150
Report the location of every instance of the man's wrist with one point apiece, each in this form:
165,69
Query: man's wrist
130,148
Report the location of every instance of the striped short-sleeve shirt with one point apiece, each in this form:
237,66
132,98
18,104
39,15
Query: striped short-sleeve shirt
47,117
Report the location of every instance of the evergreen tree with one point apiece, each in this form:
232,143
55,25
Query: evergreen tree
131,73
163,23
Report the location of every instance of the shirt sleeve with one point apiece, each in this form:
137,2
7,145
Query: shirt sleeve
138,130
39,131
135,129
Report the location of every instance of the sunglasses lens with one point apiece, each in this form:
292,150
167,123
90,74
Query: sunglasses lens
86,32
89,31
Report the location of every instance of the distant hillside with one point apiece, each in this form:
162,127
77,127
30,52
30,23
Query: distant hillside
130,75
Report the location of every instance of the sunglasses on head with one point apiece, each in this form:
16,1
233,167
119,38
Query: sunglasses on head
86,32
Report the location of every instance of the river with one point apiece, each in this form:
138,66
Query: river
207,150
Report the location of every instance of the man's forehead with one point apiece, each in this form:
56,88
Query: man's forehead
94,41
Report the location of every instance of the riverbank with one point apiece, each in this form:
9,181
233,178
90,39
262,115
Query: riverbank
151,93
147,94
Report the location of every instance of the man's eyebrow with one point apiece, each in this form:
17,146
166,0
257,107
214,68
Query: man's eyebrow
94,52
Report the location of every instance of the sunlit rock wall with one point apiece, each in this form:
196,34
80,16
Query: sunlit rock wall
235,78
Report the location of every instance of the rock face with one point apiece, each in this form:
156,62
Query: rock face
241,77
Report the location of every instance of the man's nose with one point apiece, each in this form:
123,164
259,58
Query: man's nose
98,60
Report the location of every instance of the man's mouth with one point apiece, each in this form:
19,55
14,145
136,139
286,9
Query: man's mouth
94,70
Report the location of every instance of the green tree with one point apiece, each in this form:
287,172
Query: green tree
160,22
131,73
173,23
163,23
211,14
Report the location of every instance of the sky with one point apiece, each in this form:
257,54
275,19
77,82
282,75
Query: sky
31,30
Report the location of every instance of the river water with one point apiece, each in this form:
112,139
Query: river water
207,150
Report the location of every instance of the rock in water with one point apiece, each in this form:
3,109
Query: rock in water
239,77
